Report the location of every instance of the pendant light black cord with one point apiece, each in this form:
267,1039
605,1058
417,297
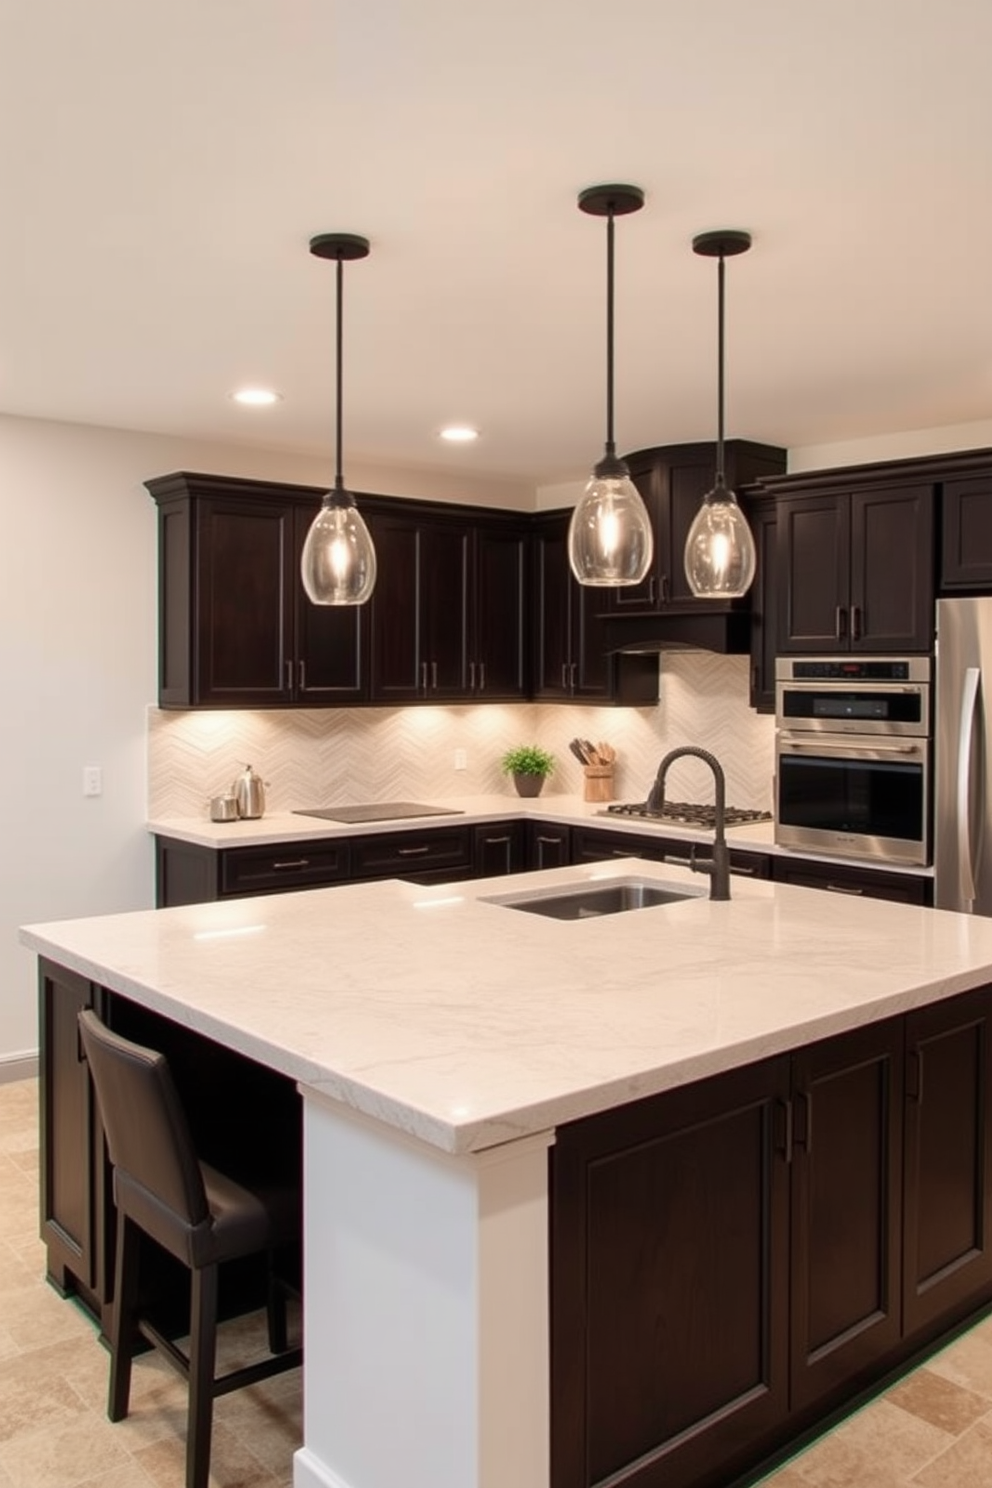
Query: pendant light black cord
611,448
338,474
720,482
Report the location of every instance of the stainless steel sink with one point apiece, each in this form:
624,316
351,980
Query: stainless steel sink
588,901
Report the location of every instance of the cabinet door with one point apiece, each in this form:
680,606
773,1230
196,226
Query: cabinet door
547,846
499,849
764,637
966,546
444,599
948,1172
813,572
846,1208
67,1189
243,582
497,654
550,593
669,1240
330,667
590,668
652,481
395,617
892,571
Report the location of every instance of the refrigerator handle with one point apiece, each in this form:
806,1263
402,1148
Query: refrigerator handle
966,862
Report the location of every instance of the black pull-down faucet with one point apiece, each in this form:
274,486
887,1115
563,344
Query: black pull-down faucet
718,865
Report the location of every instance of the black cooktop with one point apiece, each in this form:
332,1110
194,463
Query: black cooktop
380,811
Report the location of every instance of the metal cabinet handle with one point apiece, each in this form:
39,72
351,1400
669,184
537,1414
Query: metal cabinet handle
966,725
423,676
434,676
855,622
471,676
413,852
840,623
664,588
293,863
482,676
651,599
740,872
833,888
303,676
785,1106
571,675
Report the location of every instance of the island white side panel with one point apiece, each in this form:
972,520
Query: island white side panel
425,1310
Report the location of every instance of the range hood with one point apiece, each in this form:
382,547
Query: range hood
706,627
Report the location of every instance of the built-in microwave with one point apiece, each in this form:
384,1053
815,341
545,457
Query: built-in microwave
852,756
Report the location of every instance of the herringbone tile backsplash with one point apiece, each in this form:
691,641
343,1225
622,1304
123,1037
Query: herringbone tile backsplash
321,757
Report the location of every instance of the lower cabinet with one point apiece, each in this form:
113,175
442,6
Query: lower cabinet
547,846
735,1259
499,848
867,883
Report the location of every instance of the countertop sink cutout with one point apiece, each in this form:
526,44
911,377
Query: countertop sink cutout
590,901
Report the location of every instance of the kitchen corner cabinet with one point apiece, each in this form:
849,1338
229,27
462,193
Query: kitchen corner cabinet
235,627
448,616
571,662
856,565
673,480
734,1259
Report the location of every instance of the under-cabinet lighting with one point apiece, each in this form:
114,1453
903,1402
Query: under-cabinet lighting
228,934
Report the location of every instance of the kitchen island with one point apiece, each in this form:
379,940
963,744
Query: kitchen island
440,1040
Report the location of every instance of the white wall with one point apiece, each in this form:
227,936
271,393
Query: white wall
78,664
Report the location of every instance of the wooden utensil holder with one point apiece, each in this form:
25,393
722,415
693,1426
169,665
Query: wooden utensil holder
598,782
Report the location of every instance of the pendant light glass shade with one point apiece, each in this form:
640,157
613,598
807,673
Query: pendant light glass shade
720,556
610,540
338,566
609,537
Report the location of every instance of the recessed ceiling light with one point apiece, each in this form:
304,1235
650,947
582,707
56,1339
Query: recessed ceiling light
459,434
256,397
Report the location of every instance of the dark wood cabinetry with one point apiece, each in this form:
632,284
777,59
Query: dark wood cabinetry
571,658
846,1201
669,1313
838,878
547,845
948,1165
592,844
966,533
763,517
734,1259
448,613
235,629
69,1201
855,563
673,479
499,848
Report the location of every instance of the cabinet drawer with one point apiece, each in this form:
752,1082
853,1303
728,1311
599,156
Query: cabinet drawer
398,854
290,865
867,883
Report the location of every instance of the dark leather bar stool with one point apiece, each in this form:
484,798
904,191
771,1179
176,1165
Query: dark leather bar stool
199,1215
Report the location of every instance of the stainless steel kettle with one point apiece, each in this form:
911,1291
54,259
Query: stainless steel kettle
249,792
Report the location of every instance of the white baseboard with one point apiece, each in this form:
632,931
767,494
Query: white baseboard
18,1067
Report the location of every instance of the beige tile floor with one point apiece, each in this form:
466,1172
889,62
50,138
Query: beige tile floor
932,1430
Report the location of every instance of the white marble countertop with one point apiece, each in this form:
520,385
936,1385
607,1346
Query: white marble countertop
286,826
468,1024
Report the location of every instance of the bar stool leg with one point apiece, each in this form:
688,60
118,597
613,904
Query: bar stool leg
124,1316
202,1352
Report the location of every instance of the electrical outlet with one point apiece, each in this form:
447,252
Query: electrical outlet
92,780
461,760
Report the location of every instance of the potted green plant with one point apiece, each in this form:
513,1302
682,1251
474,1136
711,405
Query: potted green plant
530,766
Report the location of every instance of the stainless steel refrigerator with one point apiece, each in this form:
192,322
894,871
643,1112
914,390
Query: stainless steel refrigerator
962,750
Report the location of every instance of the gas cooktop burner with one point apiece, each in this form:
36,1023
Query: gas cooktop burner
688,813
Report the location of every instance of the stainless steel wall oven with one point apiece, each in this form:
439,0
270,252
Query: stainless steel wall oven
852,756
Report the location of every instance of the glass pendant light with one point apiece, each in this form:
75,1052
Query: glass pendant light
719,551
338,565
610,542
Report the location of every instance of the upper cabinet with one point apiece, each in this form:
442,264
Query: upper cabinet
855,566
235,629
673,479
447,620
966,532
448,613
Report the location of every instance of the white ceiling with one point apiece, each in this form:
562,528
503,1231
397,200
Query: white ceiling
163,164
